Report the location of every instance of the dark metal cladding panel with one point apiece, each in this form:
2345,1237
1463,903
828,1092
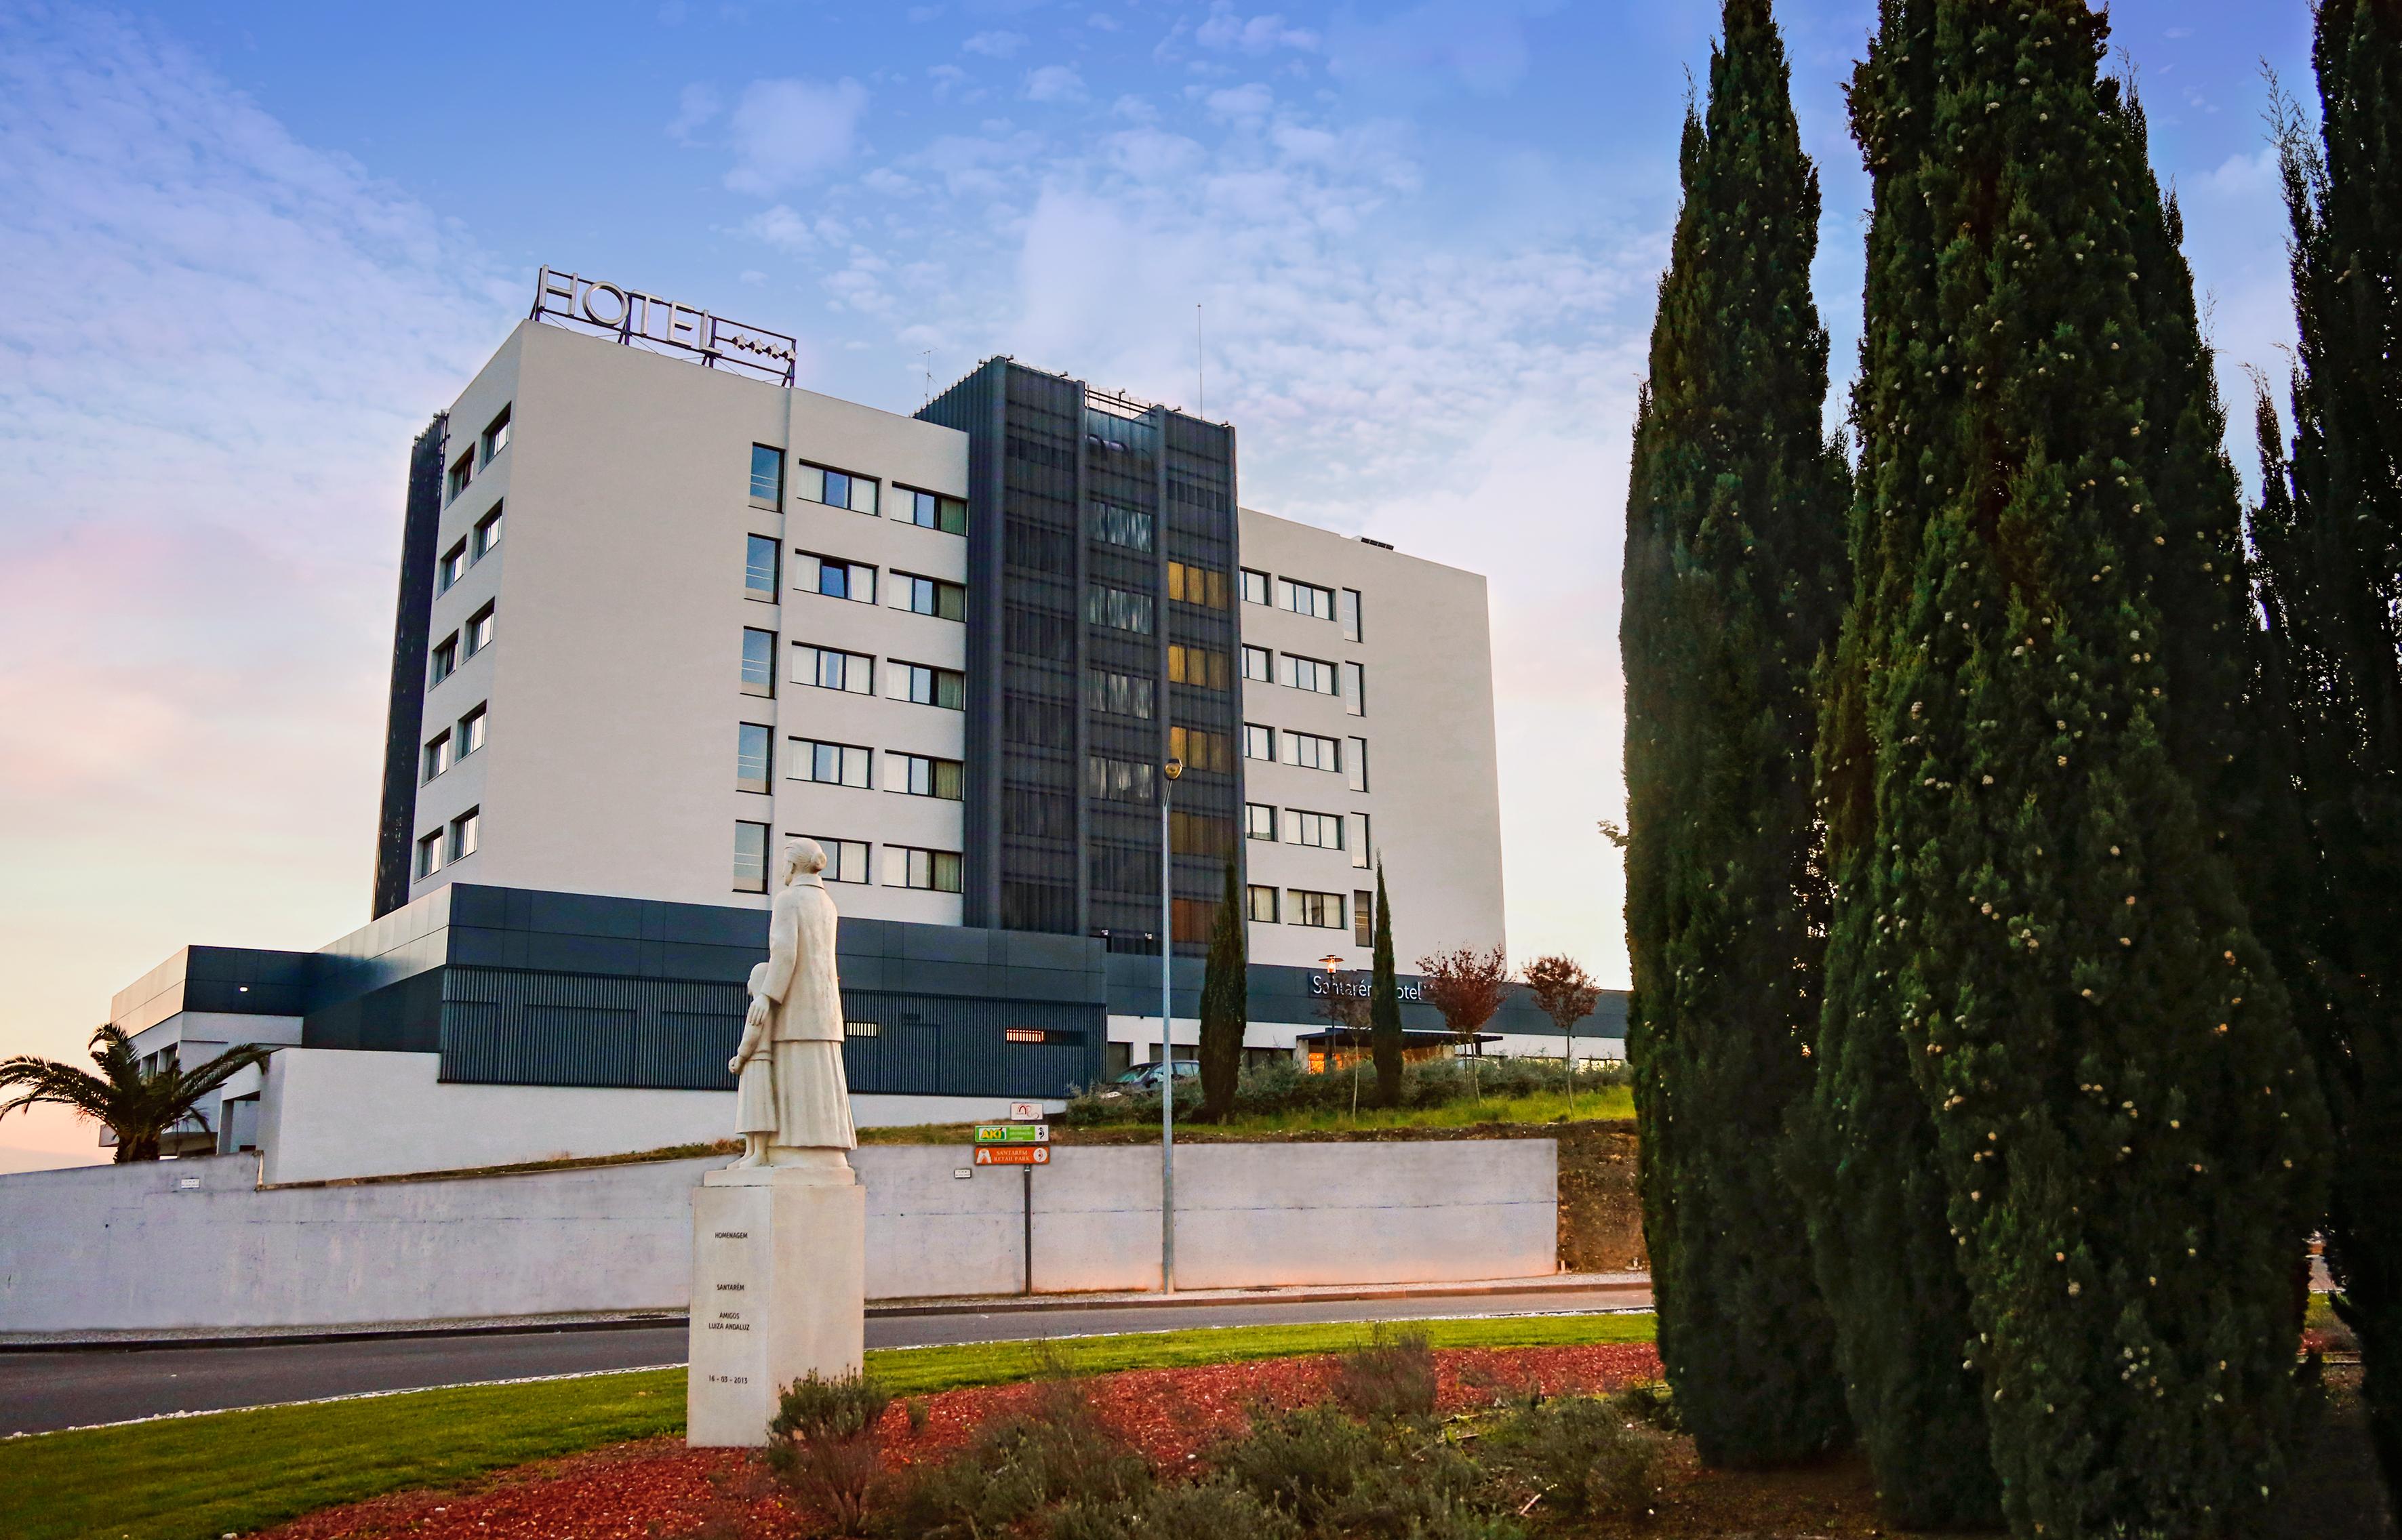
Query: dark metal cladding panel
977,406
1199,502
413,616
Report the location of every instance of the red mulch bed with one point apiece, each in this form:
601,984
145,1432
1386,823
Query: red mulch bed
658,1488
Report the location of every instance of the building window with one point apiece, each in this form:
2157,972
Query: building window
750,858
1364,918
752,747
1355,690
862,1029
1312,753
835,489
429,854
471,732
1200,834
846,860
1259,903
453,568
1192,919
1116,607
830,668
1189,584
1360,844
1258,821
944,687
463,830
850,580
1199,748
923,775
1126,527
925,596
496,437
1356,764
759,568
1197,665
767,476
487,533
1119,695
1309,674
1319,911
1320,831
1347,610
461,475
931,511
1255,587
479,630
1118,780
439,756
1259,743
829,763
445,657
1305,598
758,661
935,870
1256,663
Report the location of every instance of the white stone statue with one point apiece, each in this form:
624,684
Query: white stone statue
793,1104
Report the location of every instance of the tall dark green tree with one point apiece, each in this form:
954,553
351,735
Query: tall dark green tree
2329,536
1734,584
1225,1006
2037,930
1384,1005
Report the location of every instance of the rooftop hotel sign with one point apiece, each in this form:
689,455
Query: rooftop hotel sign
637,319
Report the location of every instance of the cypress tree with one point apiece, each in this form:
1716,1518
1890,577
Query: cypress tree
2034,922
1225,1007
1733,585
1384,1005
2330,534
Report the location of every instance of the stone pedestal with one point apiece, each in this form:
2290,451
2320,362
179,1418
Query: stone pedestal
779,1288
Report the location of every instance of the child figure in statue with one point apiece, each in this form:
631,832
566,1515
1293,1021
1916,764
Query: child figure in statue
754,1085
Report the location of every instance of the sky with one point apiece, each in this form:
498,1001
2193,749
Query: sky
253,247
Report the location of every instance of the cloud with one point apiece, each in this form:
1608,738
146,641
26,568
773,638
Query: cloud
1479,46
784,131
695,107
1102,21
1240,102
1055,83
994,44
1256,35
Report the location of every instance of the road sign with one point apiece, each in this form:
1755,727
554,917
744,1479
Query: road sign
1026,1112
1012,1155
1012,1134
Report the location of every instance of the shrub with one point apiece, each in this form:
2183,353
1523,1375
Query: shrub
1303,1462
1215,1509
1585,1455
1650,1402
1392,1376
1017,1466
1284,1087
824,1443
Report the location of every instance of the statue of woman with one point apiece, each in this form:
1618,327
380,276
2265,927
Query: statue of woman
795,1020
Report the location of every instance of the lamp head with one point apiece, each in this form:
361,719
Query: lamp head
1173,769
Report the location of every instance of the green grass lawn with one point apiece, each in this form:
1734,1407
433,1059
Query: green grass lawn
198,1478
1607,1104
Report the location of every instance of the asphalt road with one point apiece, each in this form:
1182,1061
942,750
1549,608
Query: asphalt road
40,1392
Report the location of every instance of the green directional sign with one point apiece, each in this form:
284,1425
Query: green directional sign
1012,1134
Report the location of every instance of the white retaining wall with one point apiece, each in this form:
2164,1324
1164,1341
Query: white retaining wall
196,1245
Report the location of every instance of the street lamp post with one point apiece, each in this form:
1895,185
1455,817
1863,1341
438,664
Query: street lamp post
1338,1019
1170,773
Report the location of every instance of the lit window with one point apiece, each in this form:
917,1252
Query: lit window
766,475
496,437
1319,911
1126,527
758,661
830,668
750,858
439,756
445,657
926,596
1119,695
759,567
915,681
1199,748
1200,834
923,775
453,568
1364,918
1116,779
1309,674
429,854
835,489
1259,743
1256,661
1190,585
1348,609
846,860
931,511
1258,821
829,763
751,750
1118,608
1197,665
480,631
850,580
1259,903
1305,598
471,732
487,533
937,869
1255,587
1312,753
462,833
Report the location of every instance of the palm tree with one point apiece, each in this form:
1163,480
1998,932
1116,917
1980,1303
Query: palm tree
139,1107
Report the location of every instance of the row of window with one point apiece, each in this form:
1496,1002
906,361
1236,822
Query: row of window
823,484
471,549
1304,598
1318,676
1318,911
445,846
461,644
463,468
842,764
852,673
452,744
835,577
847,860
1308,750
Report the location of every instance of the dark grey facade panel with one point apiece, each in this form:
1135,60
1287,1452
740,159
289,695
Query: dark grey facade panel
405,718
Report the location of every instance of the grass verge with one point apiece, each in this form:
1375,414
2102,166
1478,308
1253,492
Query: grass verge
232,1472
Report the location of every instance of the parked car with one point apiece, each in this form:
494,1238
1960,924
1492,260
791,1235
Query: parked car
1146,1077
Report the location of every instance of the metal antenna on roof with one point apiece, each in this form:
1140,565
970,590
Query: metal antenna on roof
1200,390
926,361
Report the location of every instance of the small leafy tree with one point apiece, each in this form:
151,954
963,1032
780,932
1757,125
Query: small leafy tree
1224,1008
1566,994
138,1106
1384,1004
1468,986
